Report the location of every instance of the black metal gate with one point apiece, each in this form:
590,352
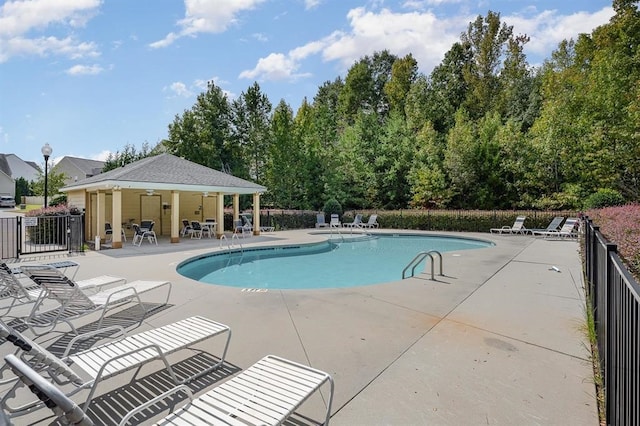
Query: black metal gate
41,234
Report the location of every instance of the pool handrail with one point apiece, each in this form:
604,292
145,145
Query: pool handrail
418,258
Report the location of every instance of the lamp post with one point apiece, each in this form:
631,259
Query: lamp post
46,152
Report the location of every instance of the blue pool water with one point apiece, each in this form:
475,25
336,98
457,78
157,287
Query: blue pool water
361,261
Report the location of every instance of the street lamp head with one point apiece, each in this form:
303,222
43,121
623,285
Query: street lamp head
46,150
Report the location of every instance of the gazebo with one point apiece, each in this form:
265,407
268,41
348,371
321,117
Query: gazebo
165,189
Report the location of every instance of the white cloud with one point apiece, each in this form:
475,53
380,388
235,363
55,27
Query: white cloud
421,33
204,16
101,156
548,28
310,4
425,4
260,37
20,19
85,70
180,89
276,66
44,46
204,84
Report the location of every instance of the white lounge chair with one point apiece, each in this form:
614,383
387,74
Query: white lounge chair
554,225
266,393
371,223
517,228
14,293
75,301
335,221
320,222
86,369
248,224
568,230
357,222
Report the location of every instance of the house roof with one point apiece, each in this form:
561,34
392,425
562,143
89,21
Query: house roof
87,166
4,165
18,168
167,172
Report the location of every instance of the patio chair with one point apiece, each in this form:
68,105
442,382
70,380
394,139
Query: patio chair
86,369
141,233
75,301
320,222
108,231
357,222
568,230
335,221
266,393
517,228
196,230
186,228
371,223
240,228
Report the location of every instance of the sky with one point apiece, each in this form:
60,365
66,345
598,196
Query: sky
92,76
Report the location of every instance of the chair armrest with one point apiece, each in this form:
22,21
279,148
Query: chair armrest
154,401
89,334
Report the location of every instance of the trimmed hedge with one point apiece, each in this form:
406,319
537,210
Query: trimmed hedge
426,220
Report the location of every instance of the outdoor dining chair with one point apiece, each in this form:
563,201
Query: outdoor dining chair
141,233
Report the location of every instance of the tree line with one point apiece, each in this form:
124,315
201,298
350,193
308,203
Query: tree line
484,130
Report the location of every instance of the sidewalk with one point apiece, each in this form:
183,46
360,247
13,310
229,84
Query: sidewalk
499,340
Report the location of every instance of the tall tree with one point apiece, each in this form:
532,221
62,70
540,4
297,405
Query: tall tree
486,38
314,156
354,177
203,133
429,186
393,161
129,154
285,167
403,73
446,89
251,117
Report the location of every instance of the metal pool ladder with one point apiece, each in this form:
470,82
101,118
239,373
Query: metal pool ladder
230,244
419,258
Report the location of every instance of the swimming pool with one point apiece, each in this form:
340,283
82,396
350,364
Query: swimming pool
334,263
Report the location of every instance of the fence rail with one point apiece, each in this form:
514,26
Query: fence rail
615,299
22,235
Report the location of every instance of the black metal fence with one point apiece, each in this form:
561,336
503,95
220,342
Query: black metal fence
40,234
615,299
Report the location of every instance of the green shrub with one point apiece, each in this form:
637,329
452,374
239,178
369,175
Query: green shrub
604,197
332,206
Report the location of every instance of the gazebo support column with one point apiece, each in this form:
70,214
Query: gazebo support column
219,215
236,207
116,214
175,216
256,213
101,205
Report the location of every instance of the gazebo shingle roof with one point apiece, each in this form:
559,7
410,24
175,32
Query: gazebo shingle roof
166,171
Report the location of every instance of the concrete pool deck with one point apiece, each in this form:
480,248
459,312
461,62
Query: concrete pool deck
498,340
